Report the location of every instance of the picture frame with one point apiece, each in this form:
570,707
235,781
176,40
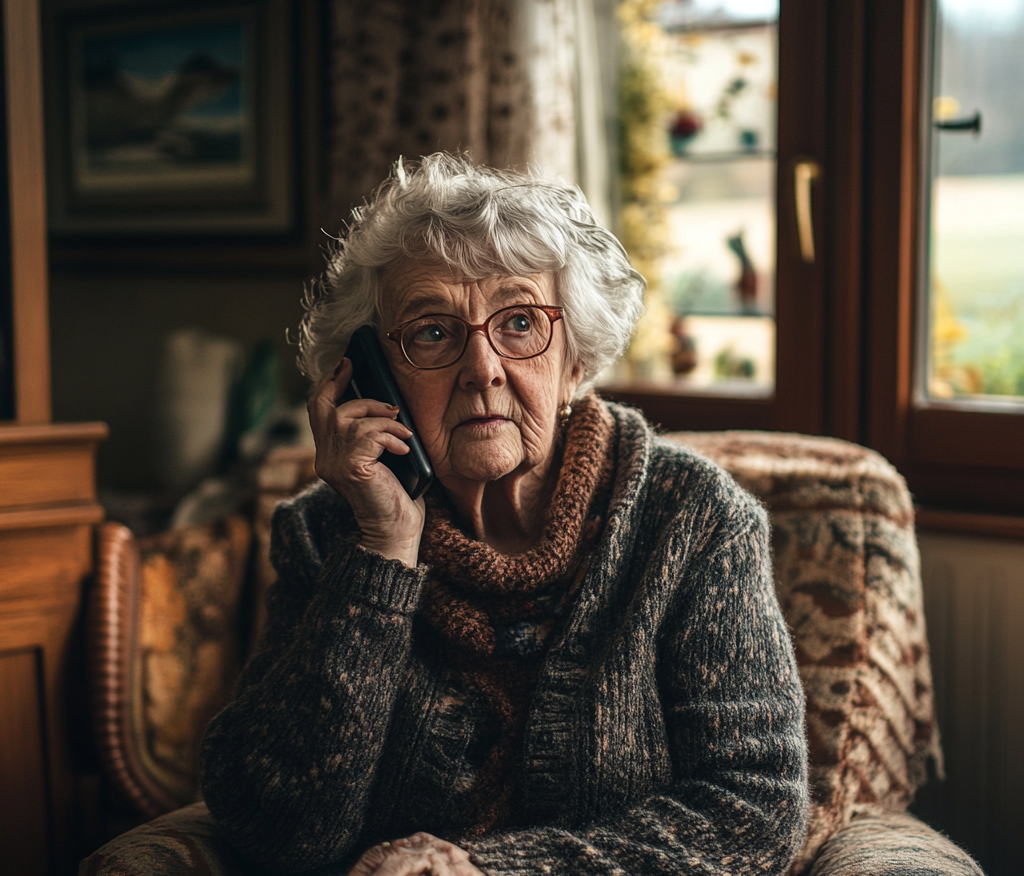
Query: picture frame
171,120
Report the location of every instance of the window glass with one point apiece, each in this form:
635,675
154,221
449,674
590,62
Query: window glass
710,325
975,340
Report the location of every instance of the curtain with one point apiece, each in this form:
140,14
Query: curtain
511,82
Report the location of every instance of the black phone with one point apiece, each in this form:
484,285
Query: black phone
372,378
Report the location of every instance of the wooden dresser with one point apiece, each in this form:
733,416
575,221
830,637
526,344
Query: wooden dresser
47,512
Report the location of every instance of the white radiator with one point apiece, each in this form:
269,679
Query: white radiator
974,607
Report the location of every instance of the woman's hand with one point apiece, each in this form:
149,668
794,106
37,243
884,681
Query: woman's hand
418,854
350,438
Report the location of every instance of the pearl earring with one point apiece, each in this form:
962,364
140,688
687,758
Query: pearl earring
564,412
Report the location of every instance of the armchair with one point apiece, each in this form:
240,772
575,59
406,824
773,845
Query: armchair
847,578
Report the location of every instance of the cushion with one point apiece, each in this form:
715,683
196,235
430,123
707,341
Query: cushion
184,842
892,844
164,642
847,577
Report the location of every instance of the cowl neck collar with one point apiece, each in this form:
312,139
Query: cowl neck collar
586,465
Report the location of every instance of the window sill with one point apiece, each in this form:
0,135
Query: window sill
964,523
672,408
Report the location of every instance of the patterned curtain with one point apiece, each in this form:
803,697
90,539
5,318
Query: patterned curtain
499,79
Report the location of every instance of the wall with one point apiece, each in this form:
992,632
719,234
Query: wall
106,336
974,603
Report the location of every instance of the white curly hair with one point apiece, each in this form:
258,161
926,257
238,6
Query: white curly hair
482,222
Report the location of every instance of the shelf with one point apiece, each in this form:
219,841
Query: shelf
721,157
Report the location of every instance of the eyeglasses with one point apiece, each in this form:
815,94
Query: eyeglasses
438,340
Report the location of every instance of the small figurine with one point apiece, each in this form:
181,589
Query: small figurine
686,125
684,356
746,285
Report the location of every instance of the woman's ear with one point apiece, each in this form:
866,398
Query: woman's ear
574,377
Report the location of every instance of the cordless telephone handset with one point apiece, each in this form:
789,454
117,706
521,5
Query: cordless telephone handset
372,378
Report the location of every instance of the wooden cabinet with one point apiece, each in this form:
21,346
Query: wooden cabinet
47,510
47,503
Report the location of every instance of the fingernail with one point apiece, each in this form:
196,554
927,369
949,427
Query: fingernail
392,407
337,370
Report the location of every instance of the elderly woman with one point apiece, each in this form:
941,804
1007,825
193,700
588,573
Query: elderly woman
567,658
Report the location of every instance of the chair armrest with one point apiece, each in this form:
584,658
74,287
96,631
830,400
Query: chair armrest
889,844
180,843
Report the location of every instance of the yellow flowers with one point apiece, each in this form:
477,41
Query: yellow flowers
644,152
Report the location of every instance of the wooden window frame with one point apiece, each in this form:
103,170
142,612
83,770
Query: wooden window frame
954,456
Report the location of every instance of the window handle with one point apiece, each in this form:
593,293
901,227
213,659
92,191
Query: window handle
971,123
804,173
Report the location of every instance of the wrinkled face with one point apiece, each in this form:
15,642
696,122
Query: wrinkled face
484,416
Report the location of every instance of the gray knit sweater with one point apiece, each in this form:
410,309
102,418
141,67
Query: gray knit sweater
665,734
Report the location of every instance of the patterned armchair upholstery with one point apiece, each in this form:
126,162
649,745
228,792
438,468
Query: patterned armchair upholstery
847,577
165,642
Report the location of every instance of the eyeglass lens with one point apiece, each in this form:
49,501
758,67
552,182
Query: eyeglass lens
514,332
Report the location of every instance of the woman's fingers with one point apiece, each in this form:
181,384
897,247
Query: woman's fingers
450,855
392,860
329,395
447,859
365,438
354,412
420,853
361,429
350,438
331,387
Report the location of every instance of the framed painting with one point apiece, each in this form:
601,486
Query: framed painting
171,119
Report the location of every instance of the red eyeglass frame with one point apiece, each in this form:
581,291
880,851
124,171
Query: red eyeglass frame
554,312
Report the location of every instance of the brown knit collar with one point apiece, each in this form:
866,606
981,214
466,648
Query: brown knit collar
586,464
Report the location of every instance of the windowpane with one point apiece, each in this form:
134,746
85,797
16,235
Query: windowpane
976,263
714,276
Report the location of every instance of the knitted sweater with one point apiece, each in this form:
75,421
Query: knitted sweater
665,734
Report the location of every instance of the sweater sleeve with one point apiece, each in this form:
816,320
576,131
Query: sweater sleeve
733,710
287,767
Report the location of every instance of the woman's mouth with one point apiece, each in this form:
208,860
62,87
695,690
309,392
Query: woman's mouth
484,422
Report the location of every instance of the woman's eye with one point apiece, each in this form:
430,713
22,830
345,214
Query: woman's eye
519,322
431,333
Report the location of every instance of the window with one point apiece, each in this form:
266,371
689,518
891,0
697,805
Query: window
708,187
738,124
868,227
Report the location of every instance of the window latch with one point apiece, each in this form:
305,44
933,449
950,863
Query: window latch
971,123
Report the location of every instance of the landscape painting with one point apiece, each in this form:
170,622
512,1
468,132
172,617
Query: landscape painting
170,122
158,105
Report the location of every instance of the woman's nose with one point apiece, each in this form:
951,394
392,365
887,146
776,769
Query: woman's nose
480,367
